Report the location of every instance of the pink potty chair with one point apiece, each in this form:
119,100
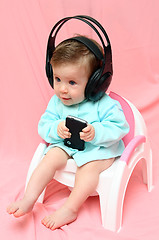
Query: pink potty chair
113,181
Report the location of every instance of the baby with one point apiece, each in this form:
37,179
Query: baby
73,64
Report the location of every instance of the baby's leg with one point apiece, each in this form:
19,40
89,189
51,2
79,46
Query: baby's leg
86,182
55,159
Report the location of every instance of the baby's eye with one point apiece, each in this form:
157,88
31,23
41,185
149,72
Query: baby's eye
57,79
72,82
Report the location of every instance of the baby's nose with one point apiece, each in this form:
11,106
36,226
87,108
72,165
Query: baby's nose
63,88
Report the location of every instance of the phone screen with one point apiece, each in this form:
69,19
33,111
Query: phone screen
75,126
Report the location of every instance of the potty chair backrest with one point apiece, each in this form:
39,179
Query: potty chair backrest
128,115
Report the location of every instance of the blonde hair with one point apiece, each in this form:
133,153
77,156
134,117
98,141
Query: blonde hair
72,51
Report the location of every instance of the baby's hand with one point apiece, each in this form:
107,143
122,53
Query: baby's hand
63,131
88,133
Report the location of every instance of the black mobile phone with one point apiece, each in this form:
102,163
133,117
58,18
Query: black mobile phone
75,126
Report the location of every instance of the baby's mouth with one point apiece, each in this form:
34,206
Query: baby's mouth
65,99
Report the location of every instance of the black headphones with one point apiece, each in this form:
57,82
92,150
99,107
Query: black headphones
101,78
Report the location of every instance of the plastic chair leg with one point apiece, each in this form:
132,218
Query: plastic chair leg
147,170
111,210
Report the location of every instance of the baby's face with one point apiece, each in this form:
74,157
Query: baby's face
70,81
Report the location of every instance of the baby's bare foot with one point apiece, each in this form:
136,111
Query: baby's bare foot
59,218
20,208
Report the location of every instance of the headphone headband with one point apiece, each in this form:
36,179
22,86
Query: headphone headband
90,45
82,18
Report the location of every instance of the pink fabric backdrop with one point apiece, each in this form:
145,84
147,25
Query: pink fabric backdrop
24,27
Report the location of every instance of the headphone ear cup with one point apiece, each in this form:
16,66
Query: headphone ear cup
92,83
103,85
49,71
97,85
105,82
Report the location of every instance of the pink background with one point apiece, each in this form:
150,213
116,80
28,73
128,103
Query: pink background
24,93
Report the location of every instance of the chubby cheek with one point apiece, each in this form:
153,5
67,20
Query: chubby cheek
78,96
56,90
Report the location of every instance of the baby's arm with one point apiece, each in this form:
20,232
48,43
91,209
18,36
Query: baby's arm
111,129
87,133
111,126
63,131
48,124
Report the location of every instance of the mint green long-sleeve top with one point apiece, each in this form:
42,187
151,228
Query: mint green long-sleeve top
107,118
